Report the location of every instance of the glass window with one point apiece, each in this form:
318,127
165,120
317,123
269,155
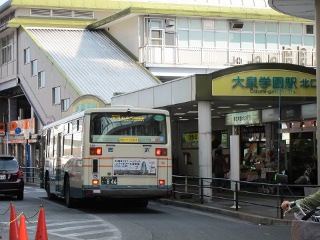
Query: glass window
296,28
208,39
309,41
260,41
285,40
76,144
182,23
155,23
65,104
183,38
234,40
260,27
284,28
221,25
208,24
296,40
195,24
195,38
247,40
67,145
34,68
247,26
272,41
221,39
309,29
134,127
56,95
272,27
41,79
156,36
27,56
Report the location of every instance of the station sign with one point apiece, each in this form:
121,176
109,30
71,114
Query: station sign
266,83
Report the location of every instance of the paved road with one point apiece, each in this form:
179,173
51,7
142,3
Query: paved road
103,221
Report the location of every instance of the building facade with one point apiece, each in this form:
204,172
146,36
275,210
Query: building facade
54,53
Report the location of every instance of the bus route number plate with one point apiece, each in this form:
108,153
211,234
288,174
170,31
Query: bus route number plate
109,180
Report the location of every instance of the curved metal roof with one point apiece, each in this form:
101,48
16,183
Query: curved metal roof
92,62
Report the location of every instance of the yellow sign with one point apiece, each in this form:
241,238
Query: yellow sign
266,83
128,139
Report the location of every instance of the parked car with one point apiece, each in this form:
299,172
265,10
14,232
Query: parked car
11,177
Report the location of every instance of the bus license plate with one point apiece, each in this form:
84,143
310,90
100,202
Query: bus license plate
109,180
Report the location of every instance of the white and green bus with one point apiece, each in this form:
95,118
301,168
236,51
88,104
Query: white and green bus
118,152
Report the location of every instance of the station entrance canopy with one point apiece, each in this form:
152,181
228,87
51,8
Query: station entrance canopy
235,89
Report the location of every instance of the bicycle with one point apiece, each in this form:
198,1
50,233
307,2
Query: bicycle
305,226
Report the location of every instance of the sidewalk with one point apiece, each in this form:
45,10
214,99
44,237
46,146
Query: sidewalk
249,212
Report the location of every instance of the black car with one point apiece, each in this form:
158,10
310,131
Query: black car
11,177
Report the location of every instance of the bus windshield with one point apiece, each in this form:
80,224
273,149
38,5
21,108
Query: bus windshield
124,127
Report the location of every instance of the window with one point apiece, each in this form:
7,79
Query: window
42,79
34,68
65,104
6,49
27,56
309,29
56,95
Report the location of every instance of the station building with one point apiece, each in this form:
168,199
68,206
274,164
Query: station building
222,68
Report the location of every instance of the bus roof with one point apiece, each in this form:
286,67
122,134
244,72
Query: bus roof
110,109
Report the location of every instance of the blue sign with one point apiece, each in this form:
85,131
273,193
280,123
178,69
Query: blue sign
17,130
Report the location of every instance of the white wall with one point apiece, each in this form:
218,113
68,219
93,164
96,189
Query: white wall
42,98
127,33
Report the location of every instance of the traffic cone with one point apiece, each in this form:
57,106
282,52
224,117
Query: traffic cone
14,227
23,234
41,228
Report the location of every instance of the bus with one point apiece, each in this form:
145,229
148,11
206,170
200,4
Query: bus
116,152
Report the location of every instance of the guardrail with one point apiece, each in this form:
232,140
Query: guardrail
260,194
32,175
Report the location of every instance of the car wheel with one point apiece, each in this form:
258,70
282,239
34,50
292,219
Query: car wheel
68,199
20,195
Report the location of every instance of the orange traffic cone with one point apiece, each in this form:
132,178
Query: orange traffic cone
23,234
41,228
14,227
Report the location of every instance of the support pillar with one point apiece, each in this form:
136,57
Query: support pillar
205,157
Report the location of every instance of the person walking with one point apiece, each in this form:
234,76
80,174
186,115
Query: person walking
218,166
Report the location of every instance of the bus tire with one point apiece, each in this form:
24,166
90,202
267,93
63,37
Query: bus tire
142,203
47,187
68,199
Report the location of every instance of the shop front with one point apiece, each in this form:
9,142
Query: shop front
202,104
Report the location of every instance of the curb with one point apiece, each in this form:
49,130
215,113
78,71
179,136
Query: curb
236,214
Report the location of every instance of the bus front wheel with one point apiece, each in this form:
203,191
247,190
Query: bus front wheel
68,199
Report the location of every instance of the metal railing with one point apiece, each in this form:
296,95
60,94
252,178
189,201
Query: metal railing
32,175
213,57
260,194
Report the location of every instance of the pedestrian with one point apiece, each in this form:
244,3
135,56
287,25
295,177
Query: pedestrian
312,201
218,166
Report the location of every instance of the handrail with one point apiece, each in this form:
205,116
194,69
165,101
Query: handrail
252,193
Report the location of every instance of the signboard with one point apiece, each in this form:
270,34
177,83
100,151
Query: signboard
265,83
190,140
20,127
270,115
2,129
243,118
309,111
129,166
290,113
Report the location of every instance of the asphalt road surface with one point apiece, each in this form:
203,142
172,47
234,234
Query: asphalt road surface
104,220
